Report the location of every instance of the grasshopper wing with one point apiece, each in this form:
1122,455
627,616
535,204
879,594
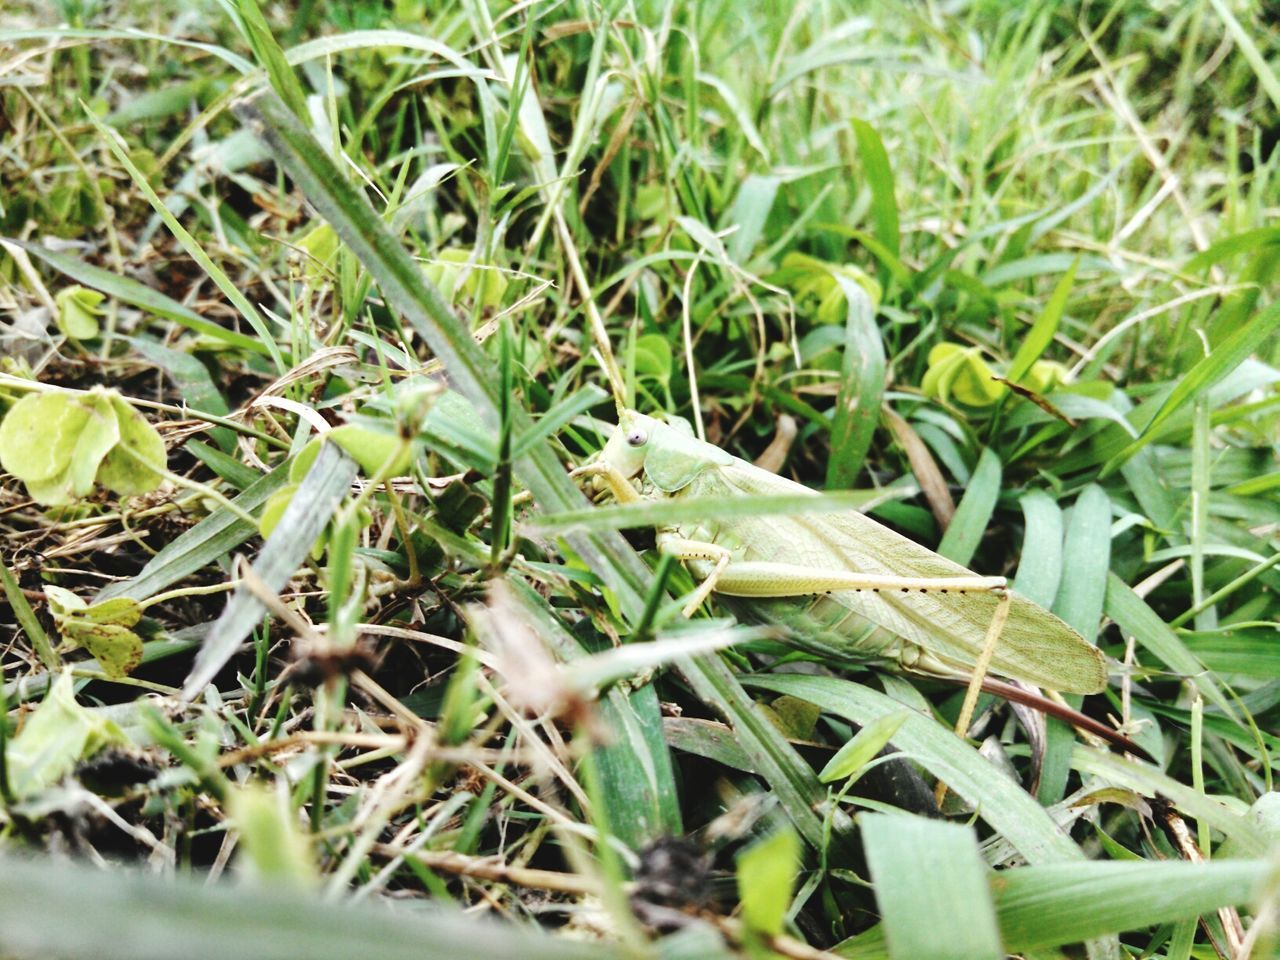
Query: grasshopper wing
1035,646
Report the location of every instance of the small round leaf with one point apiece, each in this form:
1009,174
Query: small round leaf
137,463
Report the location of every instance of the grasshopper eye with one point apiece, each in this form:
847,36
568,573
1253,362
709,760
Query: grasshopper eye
637,438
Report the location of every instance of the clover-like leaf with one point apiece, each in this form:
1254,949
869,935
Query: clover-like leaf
78,312
1044,375
809,276
372,448
60,443
456,276
56,442
959,373
653,357
321,243
137,463
57,736
273,510
103,629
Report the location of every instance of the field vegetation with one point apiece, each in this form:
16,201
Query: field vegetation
312,644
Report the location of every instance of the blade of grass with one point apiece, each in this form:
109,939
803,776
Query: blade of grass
1062,903
189,243
267,52
1216,366
861,389
26,619
932,888
140,295
1087,562
209,540
1041,333
82,913
879,175
1138,620
1000,801
973,513
308,513
1040,563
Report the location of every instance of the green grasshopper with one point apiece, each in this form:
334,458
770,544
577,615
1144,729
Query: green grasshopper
841,584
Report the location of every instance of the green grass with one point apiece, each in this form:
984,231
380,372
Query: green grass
449,235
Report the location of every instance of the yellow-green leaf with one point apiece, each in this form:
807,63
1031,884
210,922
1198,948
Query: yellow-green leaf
78,312
767,872
373,449
862,749
57,736
960,373
137,463
54,442
102,629
278,850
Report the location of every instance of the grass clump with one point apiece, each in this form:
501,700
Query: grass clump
376,276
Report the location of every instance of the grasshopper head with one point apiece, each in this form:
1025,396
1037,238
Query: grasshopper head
626,449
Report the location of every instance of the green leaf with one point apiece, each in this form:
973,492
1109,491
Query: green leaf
932,888
57,736
973,514
653,357
857,412
960,373
81,912
39,433
137,463
1041,333
767,872
78,312
102,629
749,214
275,507
378,451
1222,359
277,849
56,442
863,748
1044,376
456,274
322,245
884,202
